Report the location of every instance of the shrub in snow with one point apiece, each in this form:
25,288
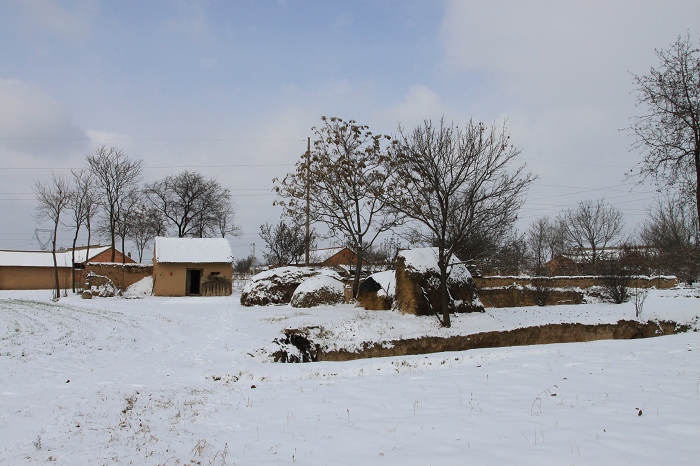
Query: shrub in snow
319,290
377,291
418,284
102,286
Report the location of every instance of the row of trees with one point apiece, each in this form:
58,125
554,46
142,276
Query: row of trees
108,200
458,188
441,182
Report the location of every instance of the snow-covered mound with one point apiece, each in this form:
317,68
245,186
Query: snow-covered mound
141,288
418,284
322,289
277,286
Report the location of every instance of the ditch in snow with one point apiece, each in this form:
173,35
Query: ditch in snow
297,346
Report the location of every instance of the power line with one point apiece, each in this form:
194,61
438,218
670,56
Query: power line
577,163
147,139
147,167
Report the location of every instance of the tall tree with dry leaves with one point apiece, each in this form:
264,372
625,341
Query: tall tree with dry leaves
343,178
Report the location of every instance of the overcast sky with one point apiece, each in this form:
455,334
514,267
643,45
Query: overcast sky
231,88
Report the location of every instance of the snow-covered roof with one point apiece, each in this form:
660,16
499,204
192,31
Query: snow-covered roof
45,258
193,250
424,260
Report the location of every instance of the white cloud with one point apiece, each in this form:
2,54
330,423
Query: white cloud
560,73
418,104
50,16
33,122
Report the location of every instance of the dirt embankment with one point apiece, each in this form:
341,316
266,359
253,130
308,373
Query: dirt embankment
300,348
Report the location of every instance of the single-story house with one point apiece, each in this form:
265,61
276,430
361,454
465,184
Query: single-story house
333,257
192,267
33,270
577,262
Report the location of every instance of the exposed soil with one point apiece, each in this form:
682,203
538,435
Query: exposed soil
298,347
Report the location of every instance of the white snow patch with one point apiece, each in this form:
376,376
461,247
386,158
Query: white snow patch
171,380
141,288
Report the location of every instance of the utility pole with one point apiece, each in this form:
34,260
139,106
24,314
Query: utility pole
307,239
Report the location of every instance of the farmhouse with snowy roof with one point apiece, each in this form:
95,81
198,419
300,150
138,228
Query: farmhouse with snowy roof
192,267
33,270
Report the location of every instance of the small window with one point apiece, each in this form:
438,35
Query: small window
215,273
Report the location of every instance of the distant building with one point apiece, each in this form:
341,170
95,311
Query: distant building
33,270
578,262
192,267
333,257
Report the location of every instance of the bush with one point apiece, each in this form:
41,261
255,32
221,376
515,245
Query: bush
616,285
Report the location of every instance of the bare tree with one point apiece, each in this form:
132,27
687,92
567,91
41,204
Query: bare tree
672,230
344,178
385,252
244,266
226,217
146,222
194,205
454,181
669,133
124,227
511,255
546,239
285,243
591,227
116,178
80,210
52,200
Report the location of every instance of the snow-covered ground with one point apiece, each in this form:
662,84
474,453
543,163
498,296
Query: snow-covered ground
189,381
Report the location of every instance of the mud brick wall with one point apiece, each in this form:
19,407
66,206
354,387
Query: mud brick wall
662,282
122,275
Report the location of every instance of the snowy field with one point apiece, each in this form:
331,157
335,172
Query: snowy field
173,381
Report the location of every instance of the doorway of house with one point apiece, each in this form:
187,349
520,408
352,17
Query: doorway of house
194,279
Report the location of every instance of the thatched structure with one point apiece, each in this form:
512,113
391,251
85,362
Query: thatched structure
377,291
418,284
318,291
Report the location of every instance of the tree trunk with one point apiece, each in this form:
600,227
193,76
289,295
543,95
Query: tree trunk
358,270
87,251
113,242
697,181
444,296
57,290
72,269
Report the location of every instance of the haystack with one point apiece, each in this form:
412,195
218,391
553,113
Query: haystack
377,291
275,286
418,284
319,290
